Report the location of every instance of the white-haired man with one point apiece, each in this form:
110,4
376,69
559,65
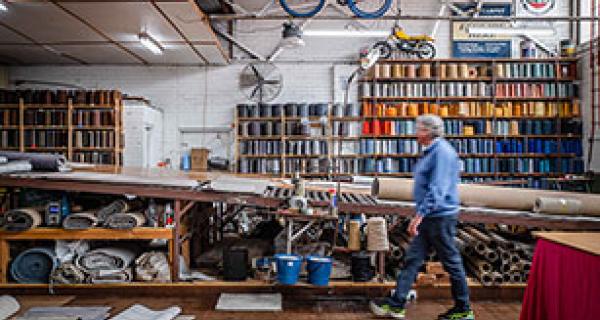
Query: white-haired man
436,175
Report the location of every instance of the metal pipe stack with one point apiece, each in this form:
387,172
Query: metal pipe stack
493,259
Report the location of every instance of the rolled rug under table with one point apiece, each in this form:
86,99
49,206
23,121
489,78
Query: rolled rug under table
34,265
124,221
80,221
22,219
106,264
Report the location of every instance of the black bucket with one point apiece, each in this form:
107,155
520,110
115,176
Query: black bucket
235,264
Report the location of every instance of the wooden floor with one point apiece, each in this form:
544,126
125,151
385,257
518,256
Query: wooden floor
352,307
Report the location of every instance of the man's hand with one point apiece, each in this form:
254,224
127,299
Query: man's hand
414,225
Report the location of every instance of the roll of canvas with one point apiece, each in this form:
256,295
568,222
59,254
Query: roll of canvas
124,221
34,265
487,196
22,219
152,267
377,237
105,259
39,161
68,273
80,221
557,205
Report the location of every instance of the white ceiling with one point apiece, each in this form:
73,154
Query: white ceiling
106,32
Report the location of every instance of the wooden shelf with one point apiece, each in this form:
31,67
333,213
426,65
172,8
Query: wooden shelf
45,106
246,119
305,138
93,106
259,138
91,234
10,148
293,156
462,99
473,175
10,127
75,127
350,119
9,106
111,149
46,148
477,79
44,127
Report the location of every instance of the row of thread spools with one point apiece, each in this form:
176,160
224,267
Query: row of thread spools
473,109
95,97
476,127
472,71
469,89
264,110
489,256
298,128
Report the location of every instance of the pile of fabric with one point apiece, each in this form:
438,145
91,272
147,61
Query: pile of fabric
152,267
13,162
119,214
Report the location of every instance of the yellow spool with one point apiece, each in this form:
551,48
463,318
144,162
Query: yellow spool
354,235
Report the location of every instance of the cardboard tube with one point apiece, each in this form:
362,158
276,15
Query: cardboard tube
557,205
488,196
354,235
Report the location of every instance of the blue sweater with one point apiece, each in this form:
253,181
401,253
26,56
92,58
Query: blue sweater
437,175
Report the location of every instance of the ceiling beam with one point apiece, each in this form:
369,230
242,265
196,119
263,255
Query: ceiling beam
204,19
38,44
174,26
107,43
100,33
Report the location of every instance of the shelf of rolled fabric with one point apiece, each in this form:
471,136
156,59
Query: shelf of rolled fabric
412,136
474,98
143,233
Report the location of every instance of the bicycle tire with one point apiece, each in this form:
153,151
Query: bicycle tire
369,15
297,14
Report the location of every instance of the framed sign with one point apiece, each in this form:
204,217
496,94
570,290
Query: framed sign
467,45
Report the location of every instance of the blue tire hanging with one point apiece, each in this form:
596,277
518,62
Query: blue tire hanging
367,15
308,14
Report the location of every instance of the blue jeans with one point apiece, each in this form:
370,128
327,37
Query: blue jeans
439,233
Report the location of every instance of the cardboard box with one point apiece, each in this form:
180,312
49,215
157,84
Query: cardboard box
434,268
200,159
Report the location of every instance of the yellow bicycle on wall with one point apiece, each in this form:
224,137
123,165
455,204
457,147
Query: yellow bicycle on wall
420,45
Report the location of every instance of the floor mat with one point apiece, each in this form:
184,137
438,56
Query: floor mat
250,302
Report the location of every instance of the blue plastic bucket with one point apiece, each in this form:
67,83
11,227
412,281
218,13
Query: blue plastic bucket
288,268
319,270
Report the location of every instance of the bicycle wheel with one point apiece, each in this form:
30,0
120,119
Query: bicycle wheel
302,8
369,9
425,50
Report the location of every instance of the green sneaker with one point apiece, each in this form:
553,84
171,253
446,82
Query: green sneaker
454,314
382,309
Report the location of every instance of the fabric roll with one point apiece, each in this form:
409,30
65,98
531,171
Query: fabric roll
138,312
377,235
39,161
15,166
34,265
8,306
557,205
354,235
68,273
80,221
114,207
22,219
127,220
152,267
110,276
109,258
488,196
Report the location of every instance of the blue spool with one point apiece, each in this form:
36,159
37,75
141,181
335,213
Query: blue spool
288,268
319,270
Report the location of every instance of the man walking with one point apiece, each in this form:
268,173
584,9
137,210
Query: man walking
436,179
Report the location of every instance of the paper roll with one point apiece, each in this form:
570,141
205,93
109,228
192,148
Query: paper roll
354,235
425,71
377,237
397,71
452,70
557,205
488,196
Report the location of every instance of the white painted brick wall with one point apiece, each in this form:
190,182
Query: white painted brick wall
206,96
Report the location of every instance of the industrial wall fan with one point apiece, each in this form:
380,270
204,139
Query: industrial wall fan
261,81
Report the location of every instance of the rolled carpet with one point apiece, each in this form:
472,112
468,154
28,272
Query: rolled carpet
22,219
15,166
68,273
110,276
34,265
105,259
39,161
112,208
8,306
80,221
123,221
557,205
152,267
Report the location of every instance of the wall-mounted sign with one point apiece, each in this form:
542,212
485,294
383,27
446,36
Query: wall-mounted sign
467,45
538,7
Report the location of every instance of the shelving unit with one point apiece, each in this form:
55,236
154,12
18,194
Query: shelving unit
514,104
546,109
80,129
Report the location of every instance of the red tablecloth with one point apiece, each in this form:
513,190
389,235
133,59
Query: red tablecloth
564,284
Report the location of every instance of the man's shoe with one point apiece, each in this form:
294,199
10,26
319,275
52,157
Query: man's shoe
455,314
382,308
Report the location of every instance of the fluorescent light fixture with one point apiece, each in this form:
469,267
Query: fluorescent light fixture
150,43
3,6
346,33
511,31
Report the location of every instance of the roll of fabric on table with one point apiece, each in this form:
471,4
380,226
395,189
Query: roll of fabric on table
34,265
